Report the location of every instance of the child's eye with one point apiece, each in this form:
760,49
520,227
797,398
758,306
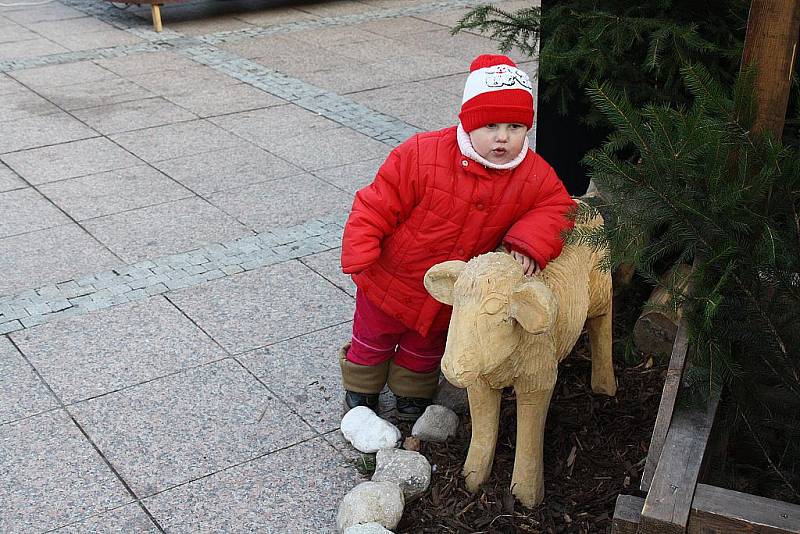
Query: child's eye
491,125
515,126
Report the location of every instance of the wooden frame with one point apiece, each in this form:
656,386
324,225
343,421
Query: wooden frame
676,502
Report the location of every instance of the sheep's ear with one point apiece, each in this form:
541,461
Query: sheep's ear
534,306
440,278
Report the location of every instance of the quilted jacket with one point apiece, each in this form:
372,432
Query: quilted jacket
428,204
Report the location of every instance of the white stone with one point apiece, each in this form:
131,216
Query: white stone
437,424
454,398
371,502
367,528
367,432
408,469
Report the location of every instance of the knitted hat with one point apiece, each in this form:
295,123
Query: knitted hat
496,91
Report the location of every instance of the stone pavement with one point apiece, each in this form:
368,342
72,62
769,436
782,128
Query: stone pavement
171,208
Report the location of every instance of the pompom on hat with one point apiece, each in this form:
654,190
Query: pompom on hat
496,91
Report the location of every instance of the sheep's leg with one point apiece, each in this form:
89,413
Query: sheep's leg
484,407
527,482
599,328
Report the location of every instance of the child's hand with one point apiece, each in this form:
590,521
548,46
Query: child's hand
528,264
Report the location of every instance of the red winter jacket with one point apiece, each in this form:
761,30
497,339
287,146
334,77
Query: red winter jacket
428,204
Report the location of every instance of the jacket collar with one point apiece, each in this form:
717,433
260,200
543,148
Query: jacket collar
465,145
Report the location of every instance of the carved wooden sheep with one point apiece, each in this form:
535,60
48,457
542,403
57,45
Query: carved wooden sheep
511,330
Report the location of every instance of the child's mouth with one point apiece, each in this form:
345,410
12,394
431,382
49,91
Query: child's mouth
499,151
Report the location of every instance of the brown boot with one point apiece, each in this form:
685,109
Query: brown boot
362,383
414,392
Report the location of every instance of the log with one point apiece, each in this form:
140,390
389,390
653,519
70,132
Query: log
655,329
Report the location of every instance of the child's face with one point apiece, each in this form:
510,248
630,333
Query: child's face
499,142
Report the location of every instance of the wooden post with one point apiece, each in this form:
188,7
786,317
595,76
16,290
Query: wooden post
155,10
771,46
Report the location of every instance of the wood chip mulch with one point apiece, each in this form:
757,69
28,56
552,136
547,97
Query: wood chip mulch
595,449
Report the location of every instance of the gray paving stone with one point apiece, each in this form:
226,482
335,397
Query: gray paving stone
42,130
400,28
82,357
185,426
164,229
351,177
227,169
281,202
267,127
94,40
8,85
402,101
96,94
23,393
294,490
133,115
295,57
51,475
128,518
12,33
176,140
311,150
235,313
9,179
145,63
47,256
26,210
273,14
343,81
23,105
228,99
60,75
10,326
328,264
176,82
111,192
51,11
29,48
304,373
70,160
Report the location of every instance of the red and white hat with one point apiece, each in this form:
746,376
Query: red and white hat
496,91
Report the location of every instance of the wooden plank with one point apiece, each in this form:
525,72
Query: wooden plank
667,405
668,503
771,45
722,511
627,512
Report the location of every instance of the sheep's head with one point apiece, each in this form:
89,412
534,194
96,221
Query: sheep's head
494,305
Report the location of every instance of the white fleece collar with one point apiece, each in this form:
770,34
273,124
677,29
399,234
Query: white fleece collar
465,145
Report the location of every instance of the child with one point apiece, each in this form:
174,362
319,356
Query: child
446,195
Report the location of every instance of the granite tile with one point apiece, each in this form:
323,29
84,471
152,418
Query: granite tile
80,25
378,49
47,12
129,518
8,85
164,229
334,9
23,105
227,169
424,65
189,425
311,151
95,94
49,256
26,210
177,140
296,490
438,110
59,75
222,101
325,37
328,265
282,202
69,160
400,28
133,115
344,81
82,357
176,82
51,475
351,177
22,393
95,40
12,33
296,57
9,179
111,192
42,130
29,48
146,62
271,304
268,127
304,373
270,14
206,25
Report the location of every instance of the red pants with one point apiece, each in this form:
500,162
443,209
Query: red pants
378,337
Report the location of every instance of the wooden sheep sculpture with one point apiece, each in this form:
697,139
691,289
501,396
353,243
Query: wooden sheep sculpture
511,330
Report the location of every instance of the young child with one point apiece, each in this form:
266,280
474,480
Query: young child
446,195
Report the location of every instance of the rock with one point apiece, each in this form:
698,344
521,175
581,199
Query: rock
371,502
367,528
367,432
452,397
408,469
412,444
437,424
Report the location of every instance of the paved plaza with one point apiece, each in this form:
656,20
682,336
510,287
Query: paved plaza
171,210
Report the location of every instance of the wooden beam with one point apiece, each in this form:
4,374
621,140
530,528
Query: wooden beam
722,511
667,405
627,513
155,10
668,503
771,45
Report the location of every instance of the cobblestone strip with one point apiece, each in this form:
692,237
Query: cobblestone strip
355,116
146,278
